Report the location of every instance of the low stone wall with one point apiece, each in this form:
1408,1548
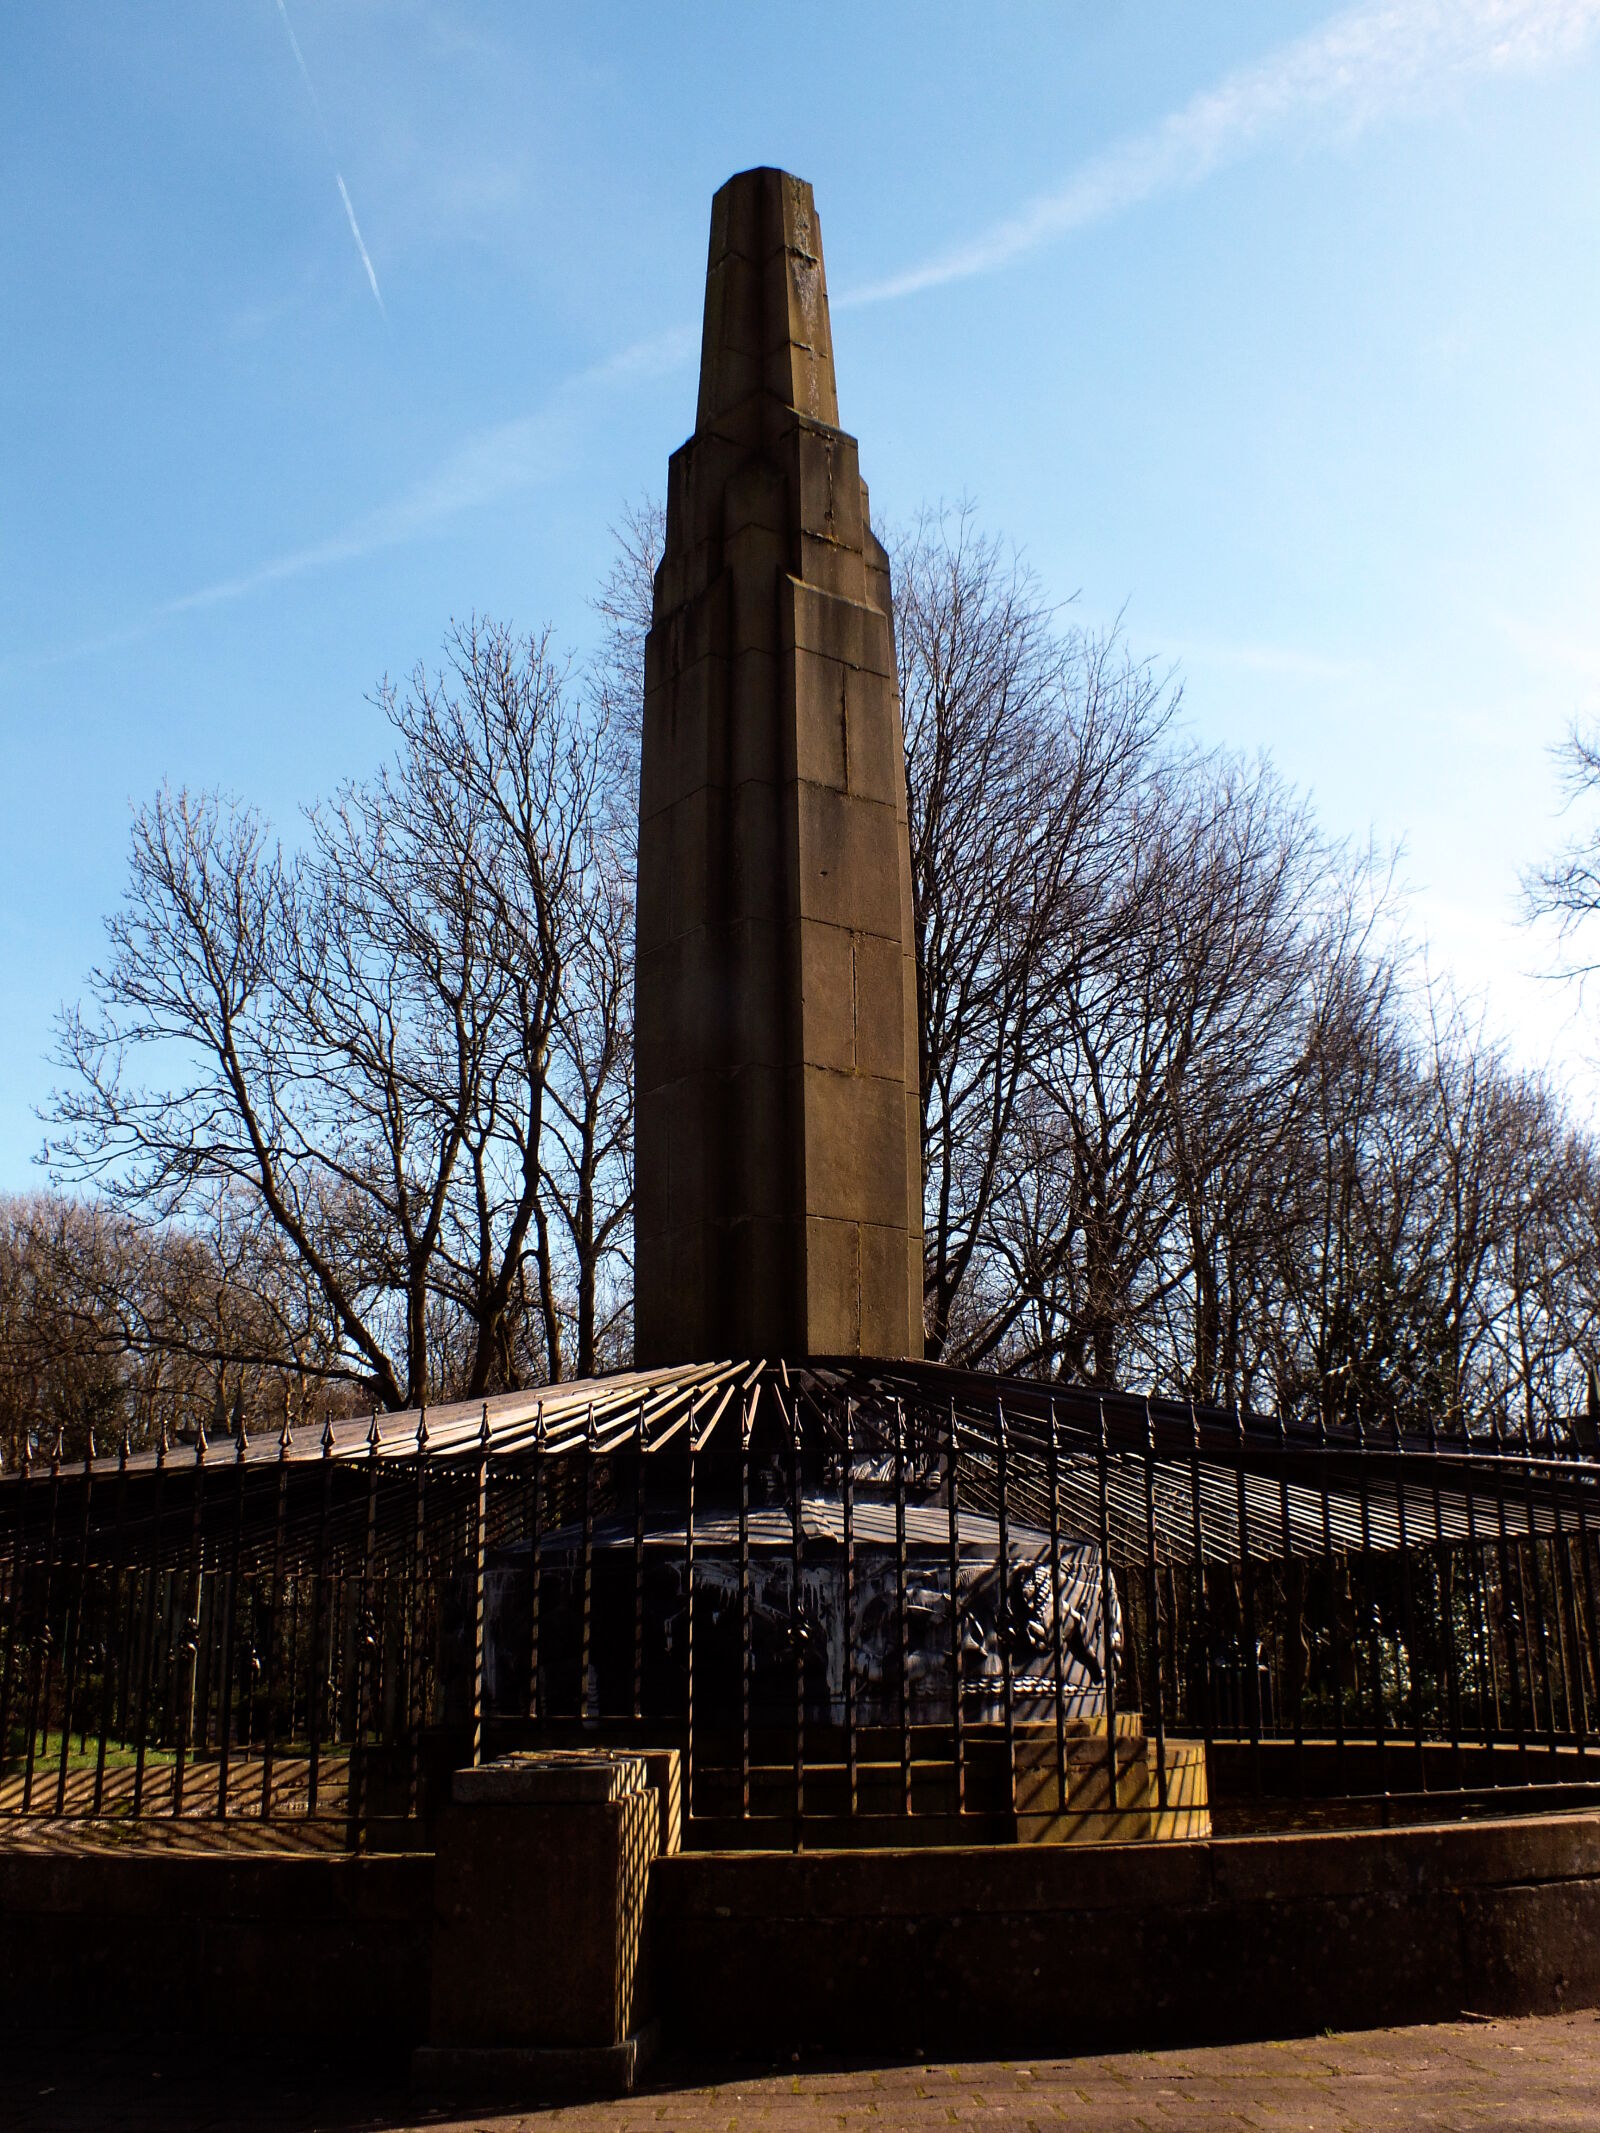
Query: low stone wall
1089,1949
332,1950
972,1950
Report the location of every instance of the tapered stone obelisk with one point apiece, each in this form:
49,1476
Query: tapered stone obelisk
778,1208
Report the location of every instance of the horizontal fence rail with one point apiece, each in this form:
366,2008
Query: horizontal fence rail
850,1595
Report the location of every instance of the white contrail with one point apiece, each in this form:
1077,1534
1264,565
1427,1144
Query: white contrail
327,142
355,231
1358,67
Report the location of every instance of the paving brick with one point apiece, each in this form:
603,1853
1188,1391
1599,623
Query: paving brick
1460,2076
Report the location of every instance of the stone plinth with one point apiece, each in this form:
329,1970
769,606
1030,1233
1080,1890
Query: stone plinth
1161,1795
540,1978
779,1185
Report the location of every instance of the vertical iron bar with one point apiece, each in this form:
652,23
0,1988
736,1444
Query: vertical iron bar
1482,1625
1247,1580
168,1658
1333,1603
1567,1621
1444,1572
1591,1615
314,1696
366,1640
643,1448
901,1601
112,1612
1152,1601
147,1655
1294,1582
296,1586
1374,1622
1174,1670
74,1639
480,1554
1106,1615
1540,1624
205,1641
586,1633
1518,1721
269,1715
416,1713
958,1731
1054,1478
1523,1619
1003,1610
536,1568
188,1674
1202,1605
688,1595
14,1593
230,1604
797,1617
50,1639
847,1500
43,1644
746,1419
1408,1606
121,1714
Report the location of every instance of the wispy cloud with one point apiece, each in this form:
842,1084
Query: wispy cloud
1366,62
1286,662
1554,652
327,142
489,464
1360,66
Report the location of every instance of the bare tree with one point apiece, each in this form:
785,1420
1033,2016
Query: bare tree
358,1116
359,1037
625,605
1566,888
1017,741
111,1326
1167,1051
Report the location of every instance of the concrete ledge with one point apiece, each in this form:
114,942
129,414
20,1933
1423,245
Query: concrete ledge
527,2076
1065,1950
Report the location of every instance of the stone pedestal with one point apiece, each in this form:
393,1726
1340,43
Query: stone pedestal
540,1974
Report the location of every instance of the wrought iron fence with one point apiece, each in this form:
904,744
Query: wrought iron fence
855,1598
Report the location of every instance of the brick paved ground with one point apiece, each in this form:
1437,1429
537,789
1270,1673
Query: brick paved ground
1507,2075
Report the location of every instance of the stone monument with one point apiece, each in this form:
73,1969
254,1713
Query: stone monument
779,1185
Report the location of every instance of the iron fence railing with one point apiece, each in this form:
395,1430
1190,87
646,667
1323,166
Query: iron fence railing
847,1594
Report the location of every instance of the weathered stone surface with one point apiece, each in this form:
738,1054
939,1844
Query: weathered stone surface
551,1778
1065,1947
779,1188
539,1905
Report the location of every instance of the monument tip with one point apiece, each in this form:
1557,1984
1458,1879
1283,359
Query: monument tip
766,332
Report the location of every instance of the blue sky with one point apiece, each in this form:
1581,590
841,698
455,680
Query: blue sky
1275,328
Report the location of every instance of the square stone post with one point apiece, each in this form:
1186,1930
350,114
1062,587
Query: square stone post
541,1984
